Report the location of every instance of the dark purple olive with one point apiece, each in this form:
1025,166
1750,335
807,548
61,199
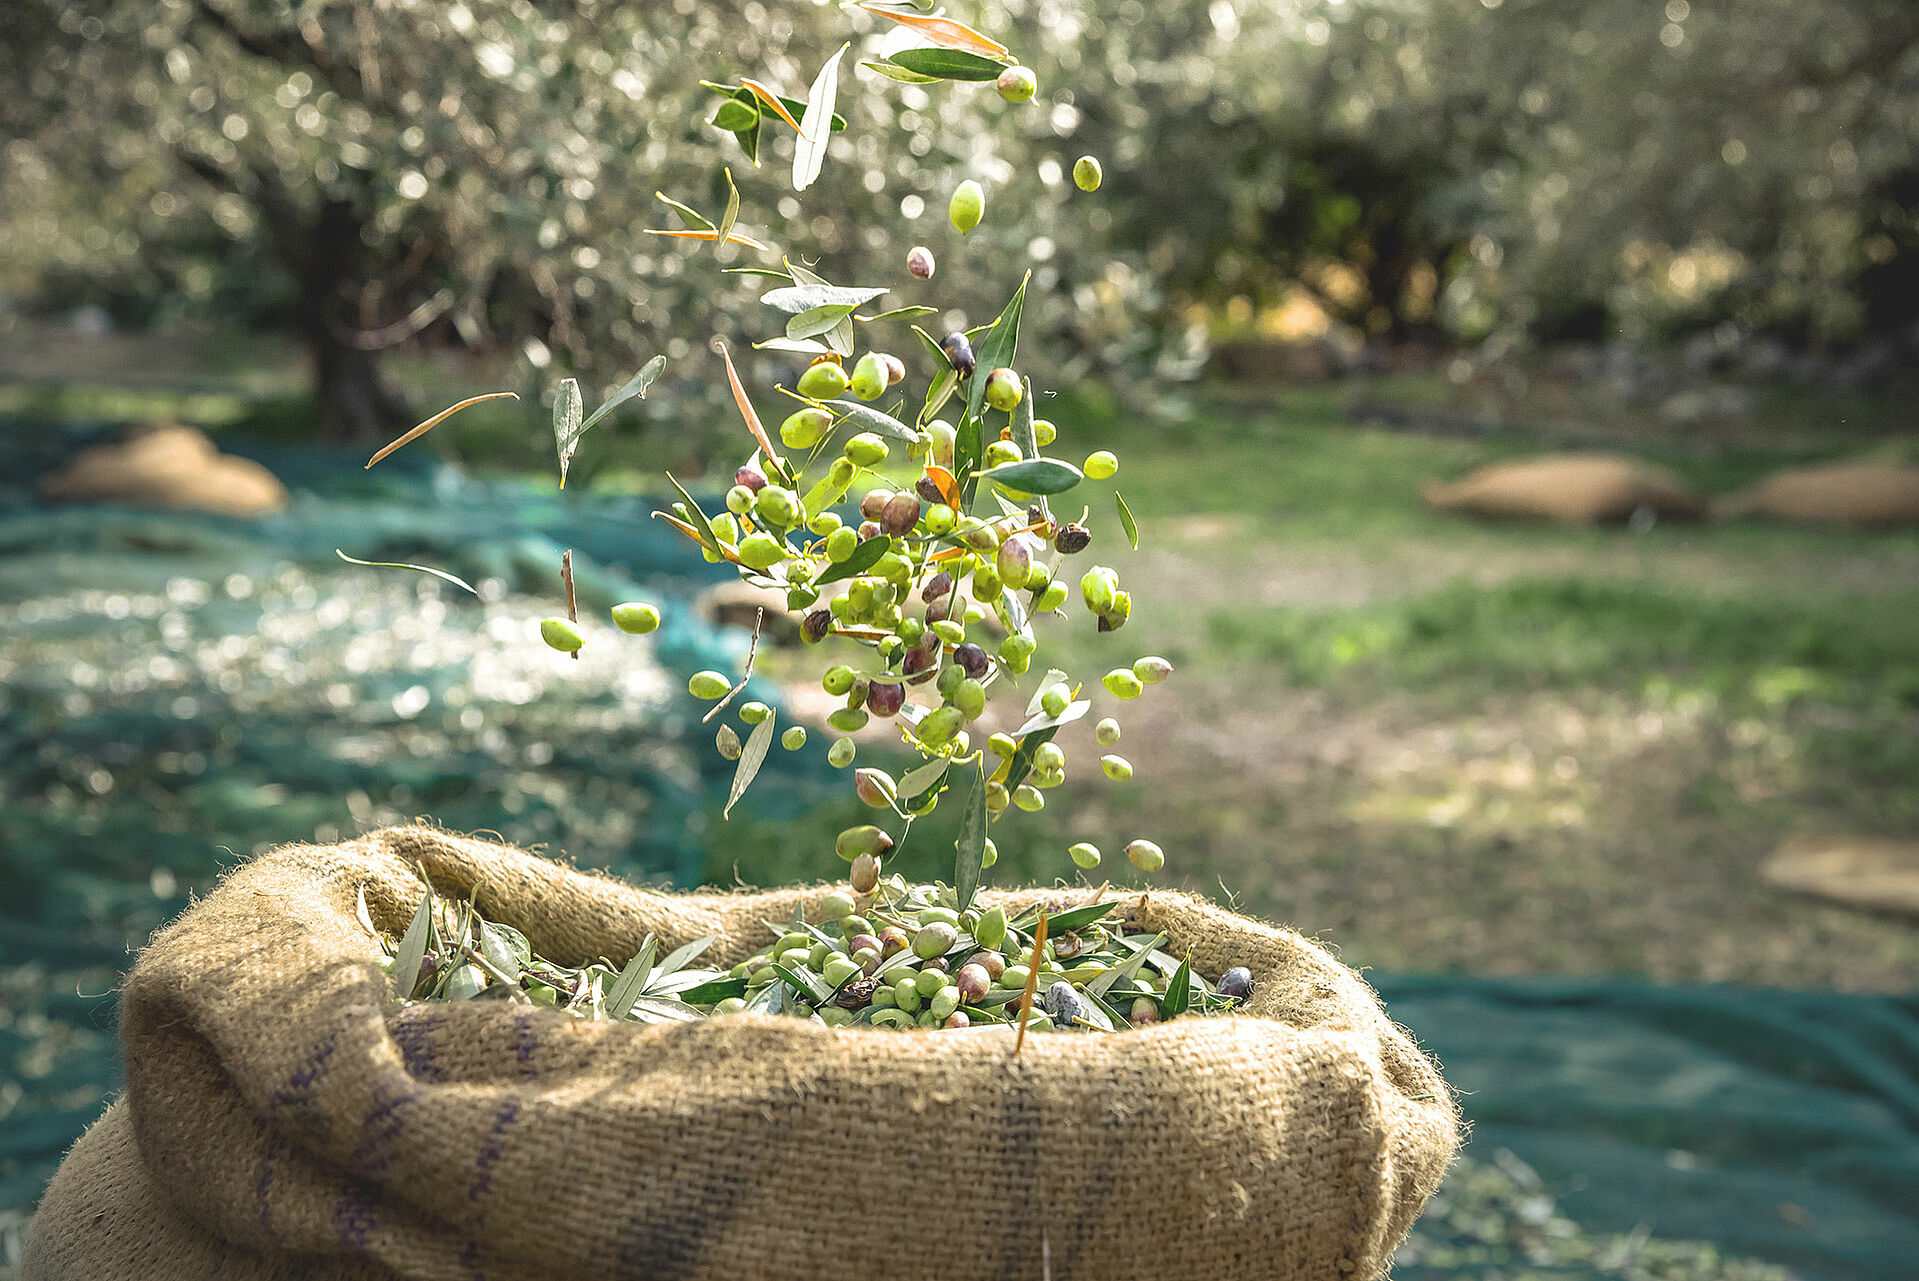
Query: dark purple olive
750,478
874,502
927,490
1071,538
815,625
972,660
918,666
885,698
900,514
960,352
1236,983
859,941
936,586
869,529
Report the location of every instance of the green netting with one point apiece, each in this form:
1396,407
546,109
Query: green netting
1778,1125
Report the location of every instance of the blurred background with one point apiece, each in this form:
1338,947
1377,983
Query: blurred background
1602,763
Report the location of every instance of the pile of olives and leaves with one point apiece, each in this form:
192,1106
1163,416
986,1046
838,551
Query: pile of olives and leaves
902,957
943,582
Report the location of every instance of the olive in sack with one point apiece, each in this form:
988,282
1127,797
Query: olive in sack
1063,1002
1236,983
959,353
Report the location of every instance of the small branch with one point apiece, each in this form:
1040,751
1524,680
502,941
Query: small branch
402,329
753,647
572,606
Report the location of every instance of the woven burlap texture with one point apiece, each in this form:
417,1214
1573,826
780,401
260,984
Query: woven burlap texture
284,1116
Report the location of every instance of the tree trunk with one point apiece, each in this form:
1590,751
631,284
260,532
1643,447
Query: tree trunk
355,402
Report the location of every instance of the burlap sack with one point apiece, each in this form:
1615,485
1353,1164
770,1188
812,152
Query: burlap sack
1581,489
284,1117
1857,493
166,466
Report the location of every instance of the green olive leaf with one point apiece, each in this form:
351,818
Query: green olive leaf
804,297
413,945
1126,969
1022,763
1023,433
840,336
815,321
631,983
732,213
635,386
898,313
892,71
924,778
1179,992
568,414
864,557
970,847
1126,519
695,516
947,64
1072,712
735,116
997,349
685,954
941,390
750,761
867,418
801,346
698,220
1035,476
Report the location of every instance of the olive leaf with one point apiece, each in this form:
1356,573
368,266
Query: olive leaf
825,493
694,515
631,983
395,564
997,348
809,154
947,64
685,954
897,313
732,213
893,71
1072,713
1021,763
815,321
969,451
751,758
735,116
799,298
1126,519
413,945
869,419
1059,923
1126,969
568,426
1179,991
970,847
941,390
497,946
699,221
1024,434
1035,476
800,346
925,777
864,557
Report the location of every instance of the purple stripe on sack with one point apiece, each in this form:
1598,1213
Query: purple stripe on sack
381,1131
300,1082
263,1186
353,1214
413,1033
524,1044
470,1260
492,1149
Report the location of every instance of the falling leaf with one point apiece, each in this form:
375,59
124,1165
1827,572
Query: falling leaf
732,213
736,238
767,451
436,420
816,128
750,760
772,100
946,32
394,564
